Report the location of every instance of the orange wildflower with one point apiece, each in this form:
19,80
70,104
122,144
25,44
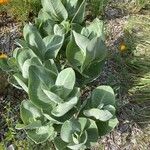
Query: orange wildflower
3,56
4,1
122,47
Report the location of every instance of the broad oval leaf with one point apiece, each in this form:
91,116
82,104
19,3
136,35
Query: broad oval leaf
60,144
21,43
68,128
84,122
95,51
93,135
110,108
106,127
46,77
59,120
81,145
34,39
53,45
74,54
29,112
63,108
103,95
76,27
42,134
81,41
97,48
98,114
44,16
21,81
59,29
47,28
39,78
71,7
53,97
95,29
79,133
50,64
80,13
92,71
16,52
66,80
27,64
75,93
56,9
31,126
24,55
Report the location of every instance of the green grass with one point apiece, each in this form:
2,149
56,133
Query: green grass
130,75
138,65
97,7
22,10
133,6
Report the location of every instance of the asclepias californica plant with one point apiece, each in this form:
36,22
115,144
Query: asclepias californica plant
52,66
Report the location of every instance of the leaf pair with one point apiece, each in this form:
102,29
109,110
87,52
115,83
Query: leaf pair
54,94
86,51
60,16
46,48
78,134
24,58
63,10
32,118
101,108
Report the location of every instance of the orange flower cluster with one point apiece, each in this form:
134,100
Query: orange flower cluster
4,1
3,56
123,47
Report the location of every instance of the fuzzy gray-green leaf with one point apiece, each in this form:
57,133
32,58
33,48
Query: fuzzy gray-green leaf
63,108
103,95
42,134
56,9
66,80
21,81
40,78
98,114
34,39
29,112
53,45
80,13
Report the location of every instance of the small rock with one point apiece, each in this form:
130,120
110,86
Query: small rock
112,13
11,147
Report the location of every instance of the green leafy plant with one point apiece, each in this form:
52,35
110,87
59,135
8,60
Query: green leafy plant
78,129
60,16
61,29
54,110
86,51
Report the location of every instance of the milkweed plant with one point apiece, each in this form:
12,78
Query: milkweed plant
59,55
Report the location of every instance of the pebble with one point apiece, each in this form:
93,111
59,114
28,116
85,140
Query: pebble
11,147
